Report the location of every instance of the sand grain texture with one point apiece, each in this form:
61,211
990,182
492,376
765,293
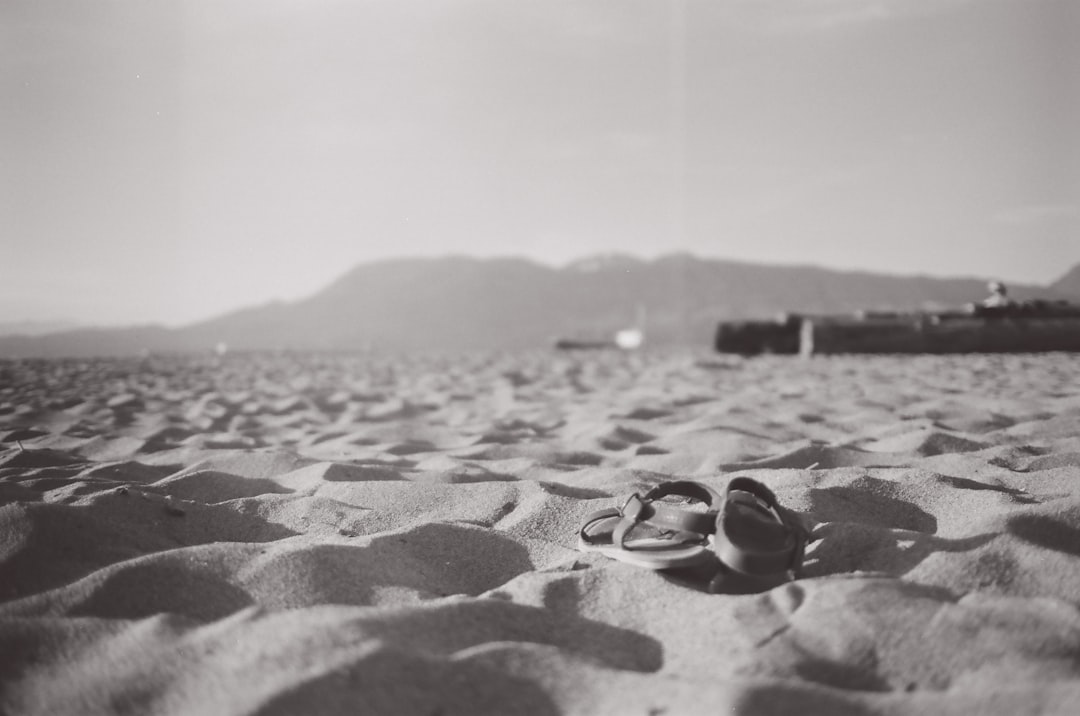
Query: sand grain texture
317,534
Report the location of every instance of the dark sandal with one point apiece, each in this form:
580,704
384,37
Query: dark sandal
755,535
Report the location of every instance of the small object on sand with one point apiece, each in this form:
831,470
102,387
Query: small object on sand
124,401
171,509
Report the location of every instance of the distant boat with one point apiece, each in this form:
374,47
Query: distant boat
583,344
1023,327
627,339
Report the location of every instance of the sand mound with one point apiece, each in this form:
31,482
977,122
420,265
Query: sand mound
337,534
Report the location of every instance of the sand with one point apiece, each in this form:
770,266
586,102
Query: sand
324,534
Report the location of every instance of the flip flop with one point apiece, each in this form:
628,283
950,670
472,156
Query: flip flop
650,534
754,534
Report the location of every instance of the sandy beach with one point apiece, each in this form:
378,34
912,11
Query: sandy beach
340,534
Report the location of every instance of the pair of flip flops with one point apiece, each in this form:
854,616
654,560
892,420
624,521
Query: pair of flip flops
745,528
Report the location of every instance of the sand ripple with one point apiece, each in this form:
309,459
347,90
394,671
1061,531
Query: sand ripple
328,534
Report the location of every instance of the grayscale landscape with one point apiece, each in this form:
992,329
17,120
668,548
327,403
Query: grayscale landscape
649,357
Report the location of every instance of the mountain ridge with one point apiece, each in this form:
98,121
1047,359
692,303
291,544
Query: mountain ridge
459,302
1069,283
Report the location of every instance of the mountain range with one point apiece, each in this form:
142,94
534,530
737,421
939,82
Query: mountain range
462,303
35,328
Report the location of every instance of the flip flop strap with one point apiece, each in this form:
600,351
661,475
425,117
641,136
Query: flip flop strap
592,519
688,525
620,539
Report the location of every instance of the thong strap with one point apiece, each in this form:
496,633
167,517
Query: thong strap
687,525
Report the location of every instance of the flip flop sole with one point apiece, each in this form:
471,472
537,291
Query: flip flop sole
653,554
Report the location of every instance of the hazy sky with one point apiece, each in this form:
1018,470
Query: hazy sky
166,160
